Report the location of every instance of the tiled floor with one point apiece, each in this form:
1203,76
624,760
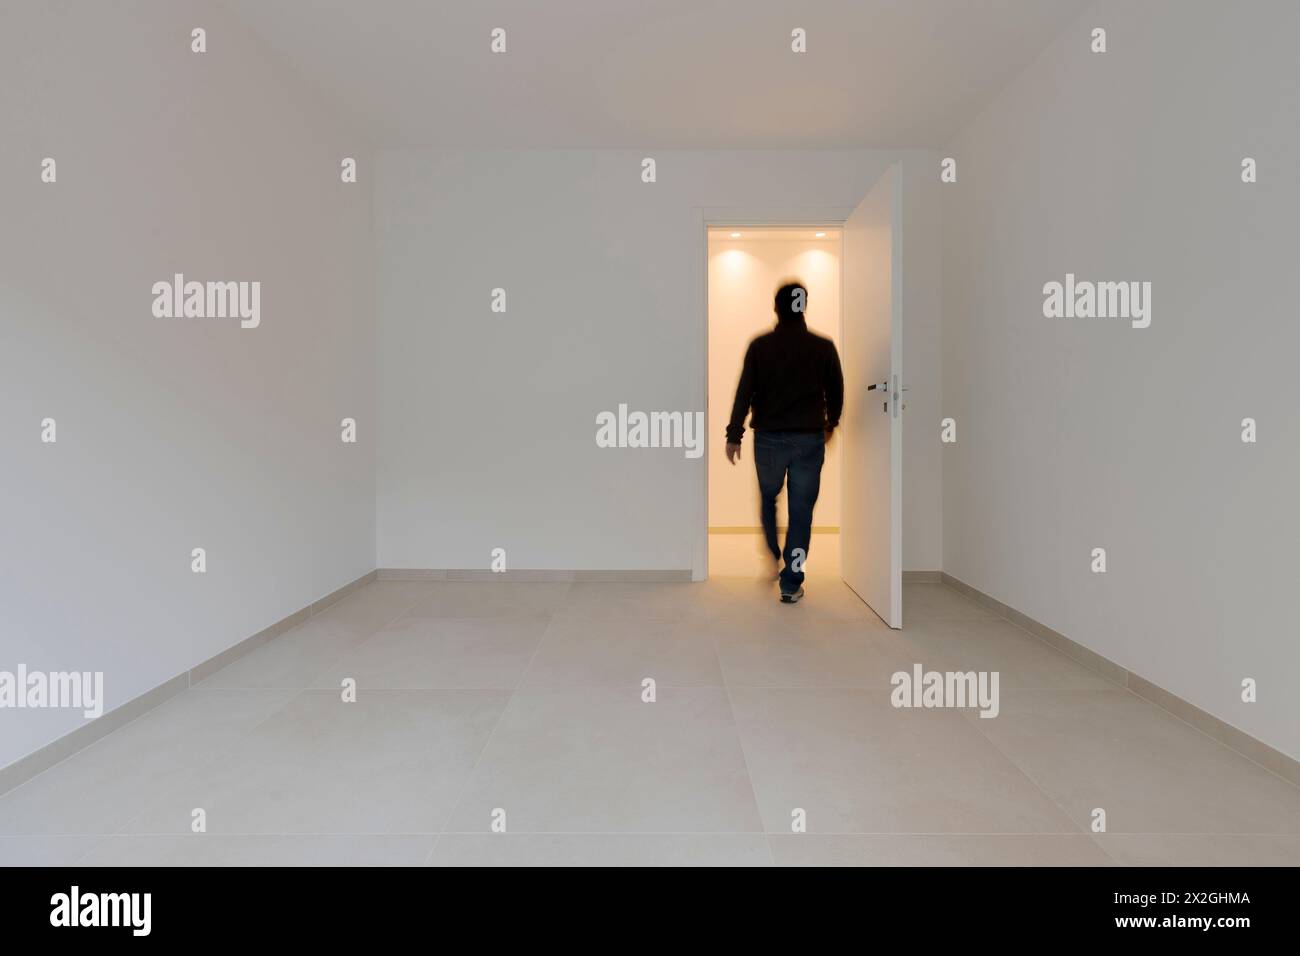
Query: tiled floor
525,699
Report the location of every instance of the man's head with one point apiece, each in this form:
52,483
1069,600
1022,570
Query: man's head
791,301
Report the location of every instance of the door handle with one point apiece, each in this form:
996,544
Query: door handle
881,387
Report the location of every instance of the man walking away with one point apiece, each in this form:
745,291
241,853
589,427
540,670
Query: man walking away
793,382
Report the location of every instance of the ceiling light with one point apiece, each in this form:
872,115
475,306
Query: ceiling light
735,235
821,235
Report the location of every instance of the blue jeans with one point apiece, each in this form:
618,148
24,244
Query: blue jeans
796,458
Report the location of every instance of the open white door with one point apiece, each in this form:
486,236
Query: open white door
871,519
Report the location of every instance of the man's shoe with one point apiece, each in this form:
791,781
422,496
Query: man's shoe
791,597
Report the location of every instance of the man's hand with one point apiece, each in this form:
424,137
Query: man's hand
733,452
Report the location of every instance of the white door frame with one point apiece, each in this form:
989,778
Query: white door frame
737,216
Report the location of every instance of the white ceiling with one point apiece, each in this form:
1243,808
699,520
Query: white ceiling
712,74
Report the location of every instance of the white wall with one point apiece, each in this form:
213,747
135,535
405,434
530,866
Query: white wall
172,433
744,275
487,421
1075,434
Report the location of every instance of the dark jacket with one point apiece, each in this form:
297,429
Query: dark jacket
792,380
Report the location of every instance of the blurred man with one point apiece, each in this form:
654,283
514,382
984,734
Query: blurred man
793,382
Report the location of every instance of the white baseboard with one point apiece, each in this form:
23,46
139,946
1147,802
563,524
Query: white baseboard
530,574
24,768
1252,748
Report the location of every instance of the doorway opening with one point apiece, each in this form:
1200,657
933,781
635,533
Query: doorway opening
746,265
852,267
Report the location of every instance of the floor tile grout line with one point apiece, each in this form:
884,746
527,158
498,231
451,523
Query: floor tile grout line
189,685
322,613
316,834
294,694
740,742
93,744
611,685
1034,783
437,838
213,758
1123,687
203,685
100,841
1092,838
469,776
151,711
1025,773
1114,686
1231,750
727,685
532,658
